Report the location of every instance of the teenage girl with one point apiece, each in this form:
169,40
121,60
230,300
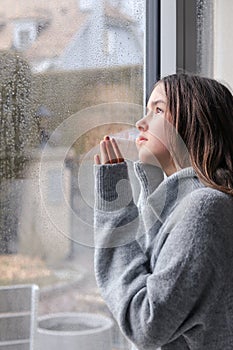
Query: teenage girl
164,265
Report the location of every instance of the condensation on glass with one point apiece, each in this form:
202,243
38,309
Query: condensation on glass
70,72
205,36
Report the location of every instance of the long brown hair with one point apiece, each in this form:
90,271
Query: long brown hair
201,109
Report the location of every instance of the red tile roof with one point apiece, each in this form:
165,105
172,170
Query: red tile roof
63,18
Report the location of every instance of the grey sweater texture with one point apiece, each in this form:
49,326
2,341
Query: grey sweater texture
164,266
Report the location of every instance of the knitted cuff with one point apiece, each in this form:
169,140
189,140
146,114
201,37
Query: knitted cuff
149,176
112,187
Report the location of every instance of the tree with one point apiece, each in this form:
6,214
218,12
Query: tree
18,132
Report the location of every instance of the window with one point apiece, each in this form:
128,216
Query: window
190,36
111,42
24,38
62,89
195,37
25,33
46,154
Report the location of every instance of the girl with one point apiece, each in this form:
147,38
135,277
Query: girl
164,267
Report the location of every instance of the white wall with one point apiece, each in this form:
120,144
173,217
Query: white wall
223,41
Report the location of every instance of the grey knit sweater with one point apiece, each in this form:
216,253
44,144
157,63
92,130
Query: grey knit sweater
165,265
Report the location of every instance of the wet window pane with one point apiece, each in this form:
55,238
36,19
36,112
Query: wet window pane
204,40
70,73
205,36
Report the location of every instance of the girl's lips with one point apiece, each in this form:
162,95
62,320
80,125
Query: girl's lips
141,139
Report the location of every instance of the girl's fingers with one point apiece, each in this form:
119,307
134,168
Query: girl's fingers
119,156
104,153
97,159
111,152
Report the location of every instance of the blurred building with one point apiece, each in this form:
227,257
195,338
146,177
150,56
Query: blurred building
73,34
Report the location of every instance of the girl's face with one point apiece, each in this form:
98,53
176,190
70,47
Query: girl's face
151,143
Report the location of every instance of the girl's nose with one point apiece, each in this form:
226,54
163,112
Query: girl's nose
142,125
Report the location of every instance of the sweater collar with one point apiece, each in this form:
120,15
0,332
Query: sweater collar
172,190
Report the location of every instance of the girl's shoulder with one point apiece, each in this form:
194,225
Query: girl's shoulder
211,196
208,202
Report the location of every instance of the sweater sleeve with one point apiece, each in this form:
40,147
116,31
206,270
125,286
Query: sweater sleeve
116,215
155,306
115,210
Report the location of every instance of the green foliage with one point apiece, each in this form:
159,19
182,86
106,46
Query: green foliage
17,122
17,133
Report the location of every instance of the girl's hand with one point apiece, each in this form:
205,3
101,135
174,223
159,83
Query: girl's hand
109,152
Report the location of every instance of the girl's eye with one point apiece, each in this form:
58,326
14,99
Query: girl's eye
154,112
158,110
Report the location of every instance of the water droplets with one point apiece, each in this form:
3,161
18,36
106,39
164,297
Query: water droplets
17,132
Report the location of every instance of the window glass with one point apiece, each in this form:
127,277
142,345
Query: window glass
70,72
204,42
205,36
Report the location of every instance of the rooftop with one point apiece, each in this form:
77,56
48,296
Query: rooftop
57,20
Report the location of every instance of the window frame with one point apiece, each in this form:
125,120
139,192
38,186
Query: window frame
160,42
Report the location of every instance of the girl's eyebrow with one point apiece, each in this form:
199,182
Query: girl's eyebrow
157,101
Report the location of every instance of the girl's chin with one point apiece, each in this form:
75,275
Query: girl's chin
148,159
